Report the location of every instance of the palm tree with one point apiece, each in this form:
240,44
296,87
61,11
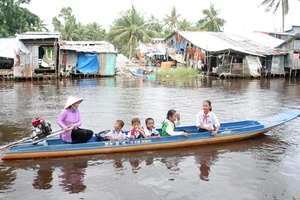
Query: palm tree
129,29
80,34
172,21
95,31
211,21
68,31
275,4
41,26
154,24
186,25
66,24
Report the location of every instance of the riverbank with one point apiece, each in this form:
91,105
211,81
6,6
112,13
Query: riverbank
178,72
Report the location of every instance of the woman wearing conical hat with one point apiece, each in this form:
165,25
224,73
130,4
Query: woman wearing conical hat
70,120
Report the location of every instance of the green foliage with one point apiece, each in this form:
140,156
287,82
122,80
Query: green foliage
171,22
167,32
15,19
66,24
211,21
95,31
154,24
80,34
129,29
178,72
40,26
186,25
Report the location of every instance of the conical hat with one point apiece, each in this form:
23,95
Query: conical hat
72,100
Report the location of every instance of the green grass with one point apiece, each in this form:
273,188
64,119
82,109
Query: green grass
178,72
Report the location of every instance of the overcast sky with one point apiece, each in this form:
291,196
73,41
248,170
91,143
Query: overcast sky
241,15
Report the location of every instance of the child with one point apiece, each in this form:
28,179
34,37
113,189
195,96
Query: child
206,120
136,131
116,134
150,130
168,125
177,122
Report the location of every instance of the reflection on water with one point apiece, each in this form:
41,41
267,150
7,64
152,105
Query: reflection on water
118,164
11,133
149,161
135,165
71,173
7,177
43,179
204,161
72,177
248,169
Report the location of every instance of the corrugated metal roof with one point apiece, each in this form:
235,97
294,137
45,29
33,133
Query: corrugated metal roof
88,46
38,35
220,41
9,46
264,39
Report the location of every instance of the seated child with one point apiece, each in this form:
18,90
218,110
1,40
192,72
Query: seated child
116,134
168,125
136,131
206,119
150,130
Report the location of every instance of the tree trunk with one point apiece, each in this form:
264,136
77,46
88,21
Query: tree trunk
130,50
282,5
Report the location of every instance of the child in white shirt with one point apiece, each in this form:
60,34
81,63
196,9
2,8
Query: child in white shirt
136,132
206,119
116,134
150,130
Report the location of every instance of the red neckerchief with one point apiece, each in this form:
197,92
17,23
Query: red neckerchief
138,130
205,118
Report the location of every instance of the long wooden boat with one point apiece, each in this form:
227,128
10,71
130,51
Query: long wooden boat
231,131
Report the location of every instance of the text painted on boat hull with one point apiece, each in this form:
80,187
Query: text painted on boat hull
126,142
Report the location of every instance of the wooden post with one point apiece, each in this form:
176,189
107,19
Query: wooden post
56,59
184,52
223,58
231,63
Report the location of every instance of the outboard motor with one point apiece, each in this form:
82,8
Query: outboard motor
42,128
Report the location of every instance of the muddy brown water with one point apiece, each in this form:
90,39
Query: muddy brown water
265,167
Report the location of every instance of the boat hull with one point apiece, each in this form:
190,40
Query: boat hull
229,132
69,153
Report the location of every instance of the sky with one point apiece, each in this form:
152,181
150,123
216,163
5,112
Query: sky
241,15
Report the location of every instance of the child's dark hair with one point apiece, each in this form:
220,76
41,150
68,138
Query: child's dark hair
170,113
135,120
148,119
121,123
209,103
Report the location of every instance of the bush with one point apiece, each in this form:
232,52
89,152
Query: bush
178,72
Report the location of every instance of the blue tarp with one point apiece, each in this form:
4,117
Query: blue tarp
88,63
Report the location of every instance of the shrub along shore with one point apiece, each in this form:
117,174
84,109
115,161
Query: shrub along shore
178,72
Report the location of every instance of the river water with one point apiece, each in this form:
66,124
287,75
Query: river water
265,167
